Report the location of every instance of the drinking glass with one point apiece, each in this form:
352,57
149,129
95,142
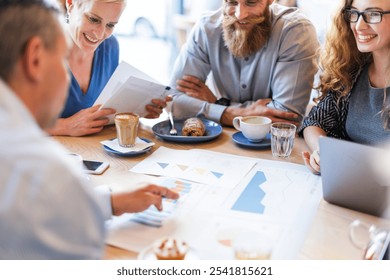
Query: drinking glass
373,240
282,139
251,245
126,128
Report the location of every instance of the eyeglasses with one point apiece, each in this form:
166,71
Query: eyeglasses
372,17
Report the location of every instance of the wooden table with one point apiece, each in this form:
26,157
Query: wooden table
327,237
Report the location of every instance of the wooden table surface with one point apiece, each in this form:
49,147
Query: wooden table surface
327,237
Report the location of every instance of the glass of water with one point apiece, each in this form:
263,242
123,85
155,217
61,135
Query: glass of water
282,139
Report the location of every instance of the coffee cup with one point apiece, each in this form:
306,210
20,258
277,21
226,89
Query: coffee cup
126,128
251,245
254,128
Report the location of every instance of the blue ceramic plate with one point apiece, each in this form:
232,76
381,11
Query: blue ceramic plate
240,139
213,130
130,154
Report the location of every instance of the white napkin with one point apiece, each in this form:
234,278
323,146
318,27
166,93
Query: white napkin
139,145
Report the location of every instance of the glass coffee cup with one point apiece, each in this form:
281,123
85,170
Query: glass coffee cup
127,128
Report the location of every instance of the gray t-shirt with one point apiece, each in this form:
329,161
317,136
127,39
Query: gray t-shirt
364,124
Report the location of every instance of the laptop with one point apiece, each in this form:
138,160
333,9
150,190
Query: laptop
351,176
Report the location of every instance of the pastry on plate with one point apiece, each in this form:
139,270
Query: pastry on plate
193,127
170,248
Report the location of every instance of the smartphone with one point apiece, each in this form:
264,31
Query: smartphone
95,167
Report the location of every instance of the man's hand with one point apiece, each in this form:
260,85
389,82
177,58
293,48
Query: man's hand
140,200
259,108
85,122
196,88
156,107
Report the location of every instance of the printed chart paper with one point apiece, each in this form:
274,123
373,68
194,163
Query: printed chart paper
275,198
201,166
130,90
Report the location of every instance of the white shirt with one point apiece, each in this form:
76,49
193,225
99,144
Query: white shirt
48,210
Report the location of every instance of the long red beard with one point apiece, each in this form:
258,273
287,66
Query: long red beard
242,42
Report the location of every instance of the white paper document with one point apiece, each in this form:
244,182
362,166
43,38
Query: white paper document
274,198
201,166
130,90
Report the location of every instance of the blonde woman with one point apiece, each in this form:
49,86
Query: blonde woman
354,81
92,60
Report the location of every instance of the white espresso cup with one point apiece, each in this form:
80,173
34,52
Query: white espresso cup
254,128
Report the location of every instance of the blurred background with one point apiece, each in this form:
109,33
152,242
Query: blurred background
151,33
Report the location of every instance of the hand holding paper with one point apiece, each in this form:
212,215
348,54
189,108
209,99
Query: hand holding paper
130,90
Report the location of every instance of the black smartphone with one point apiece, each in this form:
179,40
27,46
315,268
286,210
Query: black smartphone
95,167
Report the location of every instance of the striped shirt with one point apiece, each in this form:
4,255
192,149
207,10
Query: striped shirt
355,117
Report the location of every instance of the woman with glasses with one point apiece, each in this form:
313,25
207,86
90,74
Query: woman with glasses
93,58
354,81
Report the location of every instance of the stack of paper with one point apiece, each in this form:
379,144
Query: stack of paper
130,90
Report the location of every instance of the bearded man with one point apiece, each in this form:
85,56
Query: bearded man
261,57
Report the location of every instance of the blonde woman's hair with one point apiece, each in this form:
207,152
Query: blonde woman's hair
340,59
63,2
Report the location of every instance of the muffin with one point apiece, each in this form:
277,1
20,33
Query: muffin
170,248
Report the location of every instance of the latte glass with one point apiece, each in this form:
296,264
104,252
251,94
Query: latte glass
250,245
126,128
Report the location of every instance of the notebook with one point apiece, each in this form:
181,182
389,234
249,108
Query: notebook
352,176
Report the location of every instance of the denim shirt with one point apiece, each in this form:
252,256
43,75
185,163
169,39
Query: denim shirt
283,69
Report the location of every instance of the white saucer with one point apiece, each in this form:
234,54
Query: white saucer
148,254
129,154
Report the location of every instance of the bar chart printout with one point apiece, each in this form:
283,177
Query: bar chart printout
273,198
154,218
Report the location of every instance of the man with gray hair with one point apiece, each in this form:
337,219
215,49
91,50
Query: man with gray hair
48,210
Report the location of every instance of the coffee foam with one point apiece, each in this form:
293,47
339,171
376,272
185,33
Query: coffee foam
124,116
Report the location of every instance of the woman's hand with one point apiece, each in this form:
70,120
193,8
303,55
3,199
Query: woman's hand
85,122
312,161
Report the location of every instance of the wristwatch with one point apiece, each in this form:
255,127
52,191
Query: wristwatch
223,101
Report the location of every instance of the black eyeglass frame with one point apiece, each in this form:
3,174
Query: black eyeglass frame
363,14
